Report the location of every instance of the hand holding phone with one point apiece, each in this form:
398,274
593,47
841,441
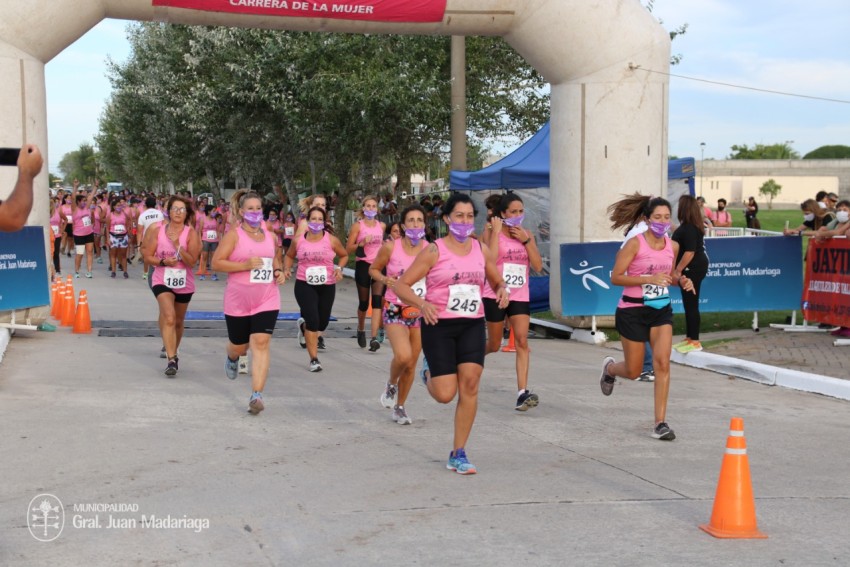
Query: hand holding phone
9,156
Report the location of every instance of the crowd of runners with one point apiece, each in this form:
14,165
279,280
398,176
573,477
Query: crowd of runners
450,299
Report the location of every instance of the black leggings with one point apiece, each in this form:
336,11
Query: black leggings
690,302
57,244
365,285
315,302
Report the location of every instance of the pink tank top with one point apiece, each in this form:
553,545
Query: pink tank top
454,283
252,291
118,223
54,222
315,260
96,212
273,226
371,249
178,274
209,229
399,262
67,212
647,261
82,222
512,265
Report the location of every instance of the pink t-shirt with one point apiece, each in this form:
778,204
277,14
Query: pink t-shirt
371,249
399,262
647,261
252,291
315,260
455,283
209,229
513,266
175,275
82,222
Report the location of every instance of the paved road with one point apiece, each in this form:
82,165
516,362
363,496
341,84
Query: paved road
324,477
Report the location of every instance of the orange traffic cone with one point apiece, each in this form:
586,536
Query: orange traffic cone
511,346
82,320
58,296
68,308
69,284
734,513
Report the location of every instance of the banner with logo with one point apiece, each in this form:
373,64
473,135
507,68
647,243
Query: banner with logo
23,269
745,274
414,11
826,289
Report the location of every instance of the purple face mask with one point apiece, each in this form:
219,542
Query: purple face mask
461,230
514,221
315,227
253,218
414,234
370,214
659,229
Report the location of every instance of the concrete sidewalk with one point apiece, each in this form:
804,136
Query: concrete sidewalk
324,477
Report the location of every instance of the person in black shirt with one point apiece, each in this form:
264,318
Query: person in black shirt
691,261
750,213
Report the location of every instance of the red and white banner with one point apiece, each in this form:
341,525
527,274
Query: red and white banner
826,288
370,10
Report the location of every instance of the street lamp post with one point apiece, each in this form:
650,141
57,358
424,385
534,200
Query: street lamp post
701,165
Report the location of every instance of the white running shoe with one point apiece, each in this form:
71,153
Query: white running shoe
388,397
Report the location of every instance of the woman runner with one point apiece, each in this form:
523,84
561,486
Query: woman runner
172,248
83,229
455,268
401,322
57,223
315,282
644,267
513,250
210,230
117,225
364,241
251,298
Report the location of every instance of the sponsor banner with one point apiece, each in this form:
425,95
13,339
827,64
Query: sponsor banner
745,274
23,269
415,11
826,289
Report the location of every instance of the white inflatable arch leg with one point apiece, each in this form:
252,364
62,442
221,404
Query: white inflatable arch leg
609,118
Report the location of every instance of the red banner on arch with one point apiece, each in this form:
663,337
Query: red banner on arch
416,11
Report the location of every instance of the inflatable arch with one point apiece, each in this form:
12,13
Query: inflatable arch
608,118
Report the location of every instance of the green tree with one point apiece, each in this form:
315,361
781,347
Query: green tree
829,152
674,33
762,151
770,189
79,164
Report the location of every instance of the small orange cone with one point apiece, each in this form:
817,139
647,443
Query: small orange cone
69,284
511,346
734,513
68,308
82,320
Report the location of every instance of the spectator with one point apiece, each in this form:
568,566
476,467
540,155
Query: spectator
691,261
706,212
833,201
839,225
751,211
390,207
15,210
722,216
814,217
822,198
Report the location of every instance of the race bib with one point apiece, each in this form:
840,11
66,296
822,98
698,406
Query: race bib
263,274
514,275
316,275
212,234
86,221
464,299
69,218
55,230
119,229
419,288
655,296
289,231
175,278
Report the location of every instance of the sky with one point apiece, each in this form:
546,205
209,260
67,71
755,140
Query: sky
782,45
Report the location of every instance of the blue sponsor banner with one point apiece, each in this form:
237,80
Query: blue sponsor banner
23,271
745,274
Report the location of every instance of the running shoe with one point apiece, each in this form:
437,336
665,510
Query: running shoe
145,276
679,345
381,335
202,277
648,376
76,275
112,275
459,463
689,346
425,373
400,416
255,404
88,275
315,365
100,260
606,381
374,345
171,369
162,353
388,397
230,367
662,431
126,276
361,338
526,401
302,340
142,260
214,278
321,345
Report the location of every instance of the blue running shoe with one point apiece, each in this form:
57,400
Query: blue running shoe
426,372
255,404
459,463
230,367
